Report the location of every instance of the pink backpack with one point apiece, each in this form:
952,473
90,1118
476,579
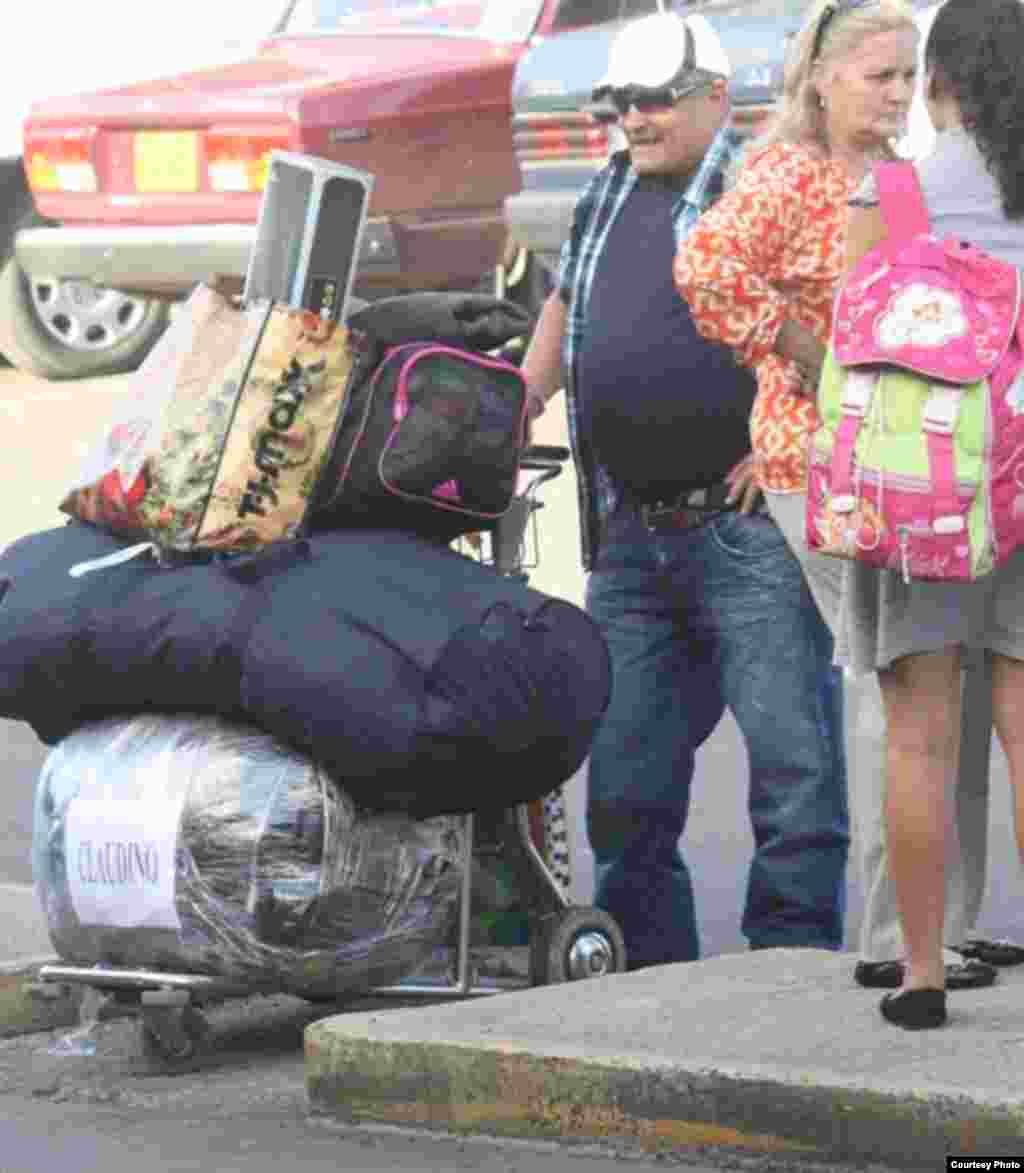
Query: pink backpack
918,462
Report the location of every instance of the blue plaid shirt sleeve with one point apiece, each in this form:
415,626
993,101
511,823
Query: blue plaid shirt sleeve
570,255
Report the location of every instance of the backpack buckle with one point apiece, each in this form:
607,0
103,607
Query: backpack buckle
857,394
952,524
941,409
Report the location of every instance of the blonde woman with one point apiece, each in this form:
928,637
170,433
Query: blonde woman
760,269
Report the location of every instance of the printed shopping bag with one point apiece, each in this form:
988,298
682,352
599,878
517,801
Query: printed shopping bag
220,445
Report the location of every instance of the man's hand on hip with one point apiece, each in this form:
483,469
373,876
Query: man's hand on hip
742,482
798,344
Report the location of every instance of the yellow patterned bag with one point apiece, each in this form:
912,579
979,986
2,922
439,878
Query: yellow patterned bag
221,441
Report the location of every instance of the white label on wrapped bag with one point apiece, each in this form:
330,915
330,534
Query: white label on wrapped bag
120,861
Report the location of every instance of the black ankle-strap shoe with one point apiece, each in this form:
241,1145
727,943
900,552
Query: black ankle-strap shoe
989,952
922,1009
879,975
970,974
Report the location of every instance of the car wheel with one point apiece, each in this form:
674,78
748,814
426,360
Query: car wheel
64,329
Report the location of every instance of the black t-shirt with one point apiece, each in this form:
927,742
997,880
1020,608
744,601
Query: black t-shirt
665,409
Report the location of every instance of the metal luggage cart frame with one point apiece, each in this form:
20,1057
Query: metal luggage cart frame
567,942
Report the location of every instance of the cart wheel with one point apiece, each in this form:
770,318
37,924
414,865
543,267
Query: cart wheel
175,1038
579,943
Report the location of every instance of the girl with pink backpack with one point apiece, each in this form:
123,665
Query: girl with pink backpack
912,632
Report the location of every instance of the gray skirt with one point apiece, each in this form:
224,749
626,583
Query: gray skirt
876,617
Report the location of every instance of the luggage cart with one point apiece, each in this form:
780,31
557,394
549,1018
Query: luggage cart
566,942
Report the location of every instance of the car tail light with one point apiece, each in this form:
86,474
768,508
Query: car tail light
60,160
239,160
563,136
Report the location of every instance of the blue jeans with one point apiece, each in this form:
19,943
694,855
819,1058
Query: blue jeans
696,621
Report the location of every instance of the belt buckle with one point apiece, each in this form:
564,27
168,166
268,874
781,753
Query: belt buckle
649,515
661,516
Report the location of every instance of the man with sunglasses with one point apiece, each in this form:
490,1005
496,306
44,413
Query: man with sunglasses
700,600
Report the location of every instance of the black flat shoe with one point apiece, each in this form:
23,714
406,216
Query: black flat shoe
989,952
970,975
922,1009
888,975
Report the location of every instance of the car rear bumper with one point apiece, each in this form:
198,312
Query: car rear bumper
541,220
170,259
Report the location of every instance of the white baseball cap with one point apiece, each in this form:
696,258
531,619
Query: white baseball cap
661,51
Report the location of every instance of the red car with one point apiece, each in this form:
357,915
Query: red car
152,187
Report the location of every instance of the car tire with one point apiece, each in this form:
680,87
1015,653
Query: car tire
62,329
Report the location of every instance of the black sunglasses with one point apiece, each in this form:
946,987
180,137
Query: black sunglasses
647,101
829,13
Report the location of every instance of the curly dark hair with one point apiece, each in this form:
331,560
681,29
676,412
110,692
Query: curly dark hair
976,53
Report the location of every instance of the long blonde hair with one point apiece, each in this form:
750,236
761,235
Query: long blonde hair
800,118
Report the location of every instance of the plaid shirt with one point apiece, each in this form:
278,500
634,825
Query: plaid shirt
595,213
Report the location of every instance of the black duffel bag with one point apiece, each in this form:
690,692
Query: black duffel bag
422,680
435,426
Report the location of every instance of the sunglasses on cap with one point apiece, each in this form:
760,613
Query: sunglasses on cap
828,14
650,101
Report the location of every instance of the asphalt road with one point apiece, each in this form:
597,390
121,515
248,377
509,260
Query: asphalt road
97,1139
243,1109
49,428
91,1140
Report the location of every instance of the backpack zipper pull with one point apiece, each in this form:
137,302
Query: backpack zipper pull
904,535
116,559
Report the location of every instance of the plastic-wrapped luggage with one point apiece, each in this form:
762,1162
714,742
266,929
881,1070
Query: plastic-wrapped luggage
196,846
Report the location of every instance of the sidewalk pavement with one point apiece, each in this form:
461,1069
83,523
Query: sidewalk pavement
774,1051
23,932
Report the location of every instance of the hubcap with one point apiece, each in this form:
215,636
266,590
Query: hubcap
591,955
83,316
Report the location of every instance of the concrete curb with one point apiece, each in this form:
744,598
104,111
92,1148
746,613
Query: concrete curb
524,1095
599,1060
26,1004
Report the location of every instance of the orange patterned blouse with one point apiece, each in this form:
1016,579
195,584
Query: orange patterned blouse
770,248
